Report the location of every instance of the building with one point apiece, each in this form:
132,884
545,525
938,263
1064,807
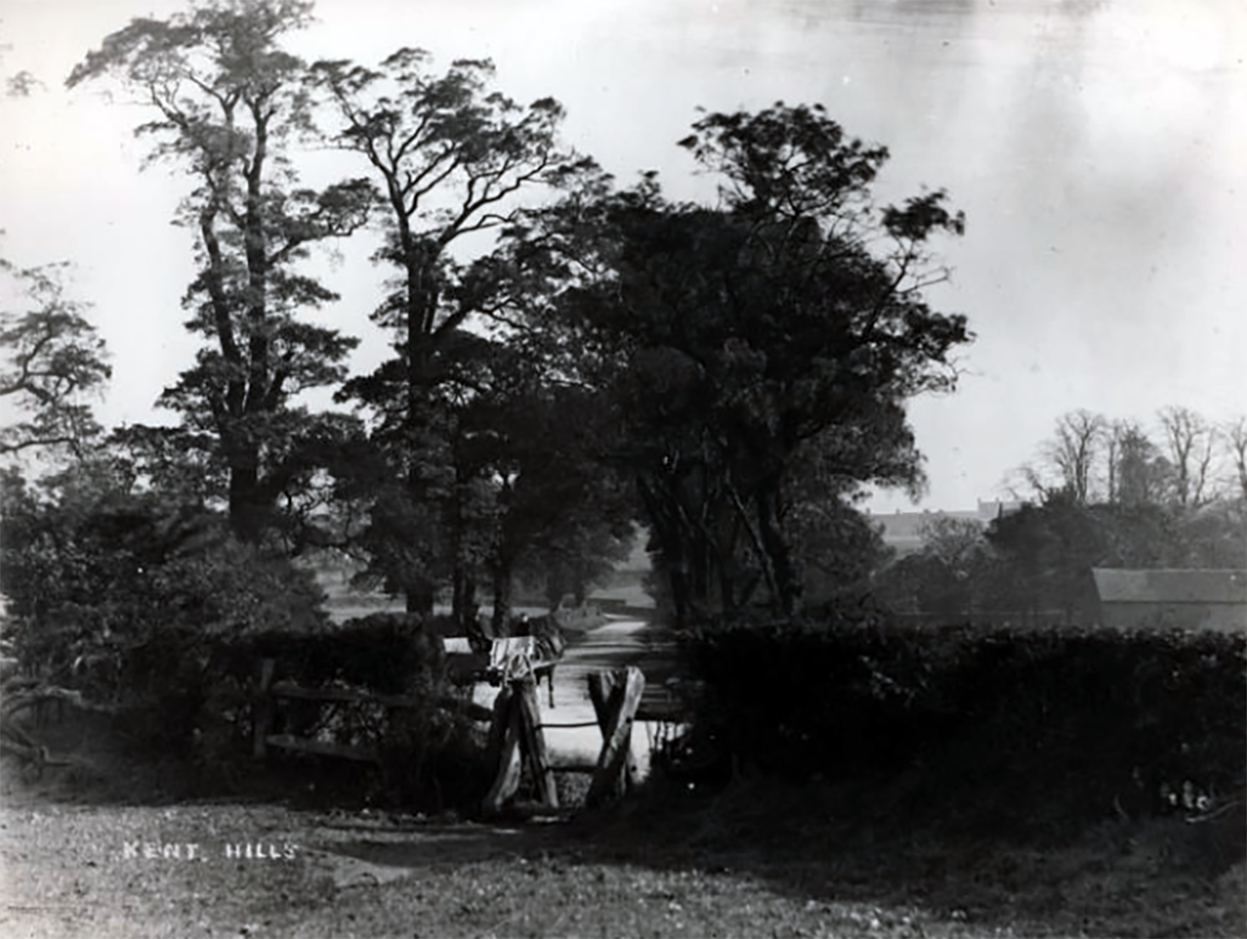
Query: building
902,531
1178,599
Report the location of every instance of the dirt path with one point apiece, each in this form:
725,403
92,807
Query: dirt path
617,644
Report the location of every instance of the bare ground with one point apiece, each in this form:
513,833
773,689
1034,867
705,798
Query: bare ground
79,871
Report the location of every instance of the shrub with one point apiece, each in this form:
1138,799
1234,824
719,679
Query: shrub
128,599
1041,727
432,754
97,580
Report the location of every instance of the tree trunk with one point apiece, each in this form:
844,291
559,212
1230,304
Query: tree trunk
502,598
420,599
248,509
463,603
788,586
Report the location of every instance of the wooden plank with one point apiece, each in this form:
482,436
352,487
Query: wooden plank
606,690
478,712
321,748
535,742
612,775
510,763
288,689
263,708
601,685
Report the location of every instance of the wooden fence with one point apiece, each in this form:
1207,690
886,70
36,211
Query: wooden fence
516,738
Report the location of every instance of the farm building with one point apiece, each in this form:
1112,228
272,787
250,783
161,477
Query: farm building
1182,599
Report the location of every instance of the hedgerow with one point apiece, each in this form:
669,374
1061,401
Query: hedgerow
1030,729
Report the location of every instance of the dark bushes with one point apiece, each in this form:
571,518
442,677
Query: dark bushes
1030,729
432,754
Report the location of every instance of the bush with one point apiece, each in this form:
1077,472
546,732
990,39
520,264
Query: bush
97,580
1028,728
432,754
128,597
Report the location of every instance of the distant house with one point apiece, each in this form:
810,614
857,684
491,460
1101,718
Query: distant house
902,531
1180,599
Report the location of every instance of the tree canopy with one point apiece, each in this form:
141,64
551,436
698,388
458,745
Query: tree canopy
53,361
742,339
229,105
568,357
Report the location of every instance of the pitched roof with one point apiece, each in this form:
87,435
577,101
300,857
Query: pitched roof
1170,586
904,525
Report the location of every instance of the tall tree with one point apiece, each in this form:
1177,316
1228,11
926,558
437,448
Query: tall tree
1191,445
1070,456
1235,437
53,359
452,159
559,514
951,576
229,104
743,335
1143,474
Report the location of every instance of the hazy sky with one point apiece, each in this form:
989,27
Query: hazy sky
1098,148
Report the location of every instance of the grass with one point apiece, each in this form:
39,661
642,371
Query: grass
65,875
756,859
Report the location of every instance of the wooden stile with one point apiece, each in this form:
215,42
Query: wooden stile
615,699
516,738
535,743
508,733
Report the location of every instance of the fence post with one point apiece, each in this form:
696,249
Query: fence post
504,735
615,698
262,708
534,742
604,688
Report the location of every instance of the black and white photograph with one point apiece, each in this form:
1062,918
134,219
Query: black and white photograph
675,468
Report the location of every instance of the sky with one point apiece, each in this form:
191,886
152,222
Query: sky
1097,147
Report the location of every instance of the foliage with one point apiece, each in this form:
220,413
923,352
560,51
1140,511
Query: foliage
740,342
1034,729
951,576
180,464
386,653
97,576
450,156
839,547
558,517
432,754
229,104
1138,472
53,359
1046,552
1095,460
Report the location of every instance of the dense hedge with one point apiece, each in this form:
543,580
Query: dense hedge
385,653
1043,724
194,697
